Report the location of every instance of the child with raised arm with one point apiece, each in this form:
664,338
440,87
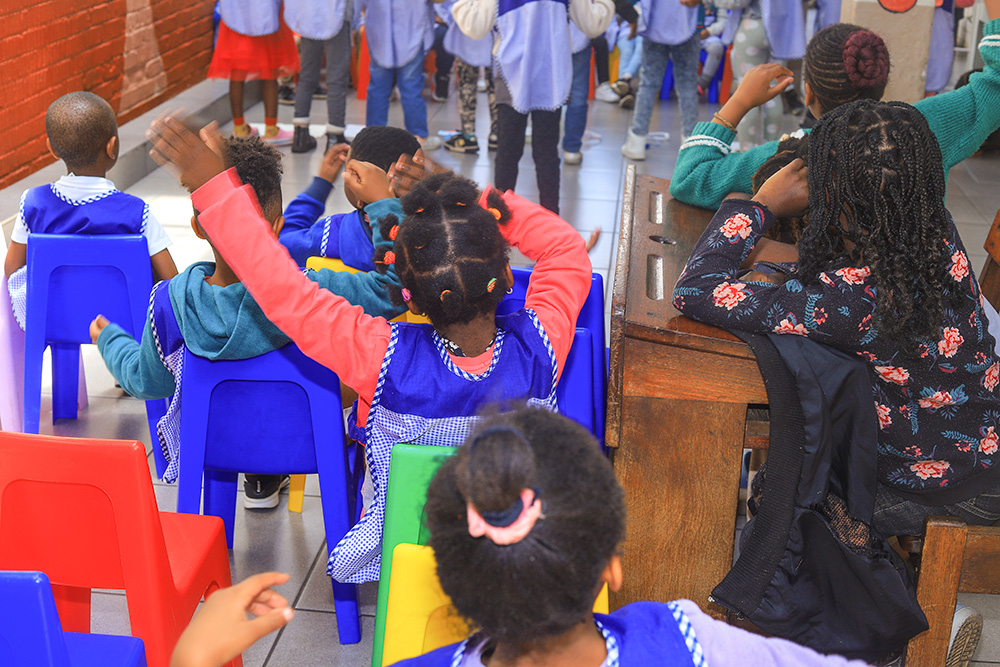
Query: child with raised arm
82,131
843,63
207,310
416,383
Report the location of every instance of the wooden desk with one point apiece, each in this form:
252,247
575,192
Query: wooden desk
678,398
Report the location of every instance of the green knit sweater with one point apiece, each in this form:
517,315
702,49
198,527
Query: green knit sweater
962,119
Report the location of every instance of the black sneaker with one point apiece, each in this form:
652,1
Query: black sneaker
334,139
493,144
262,490
303,142
286,95
440,92
462,143
320,93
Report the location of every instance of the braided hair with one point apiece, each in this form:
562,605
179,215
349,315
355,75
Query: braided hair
845,62
449,255
785,230
875,179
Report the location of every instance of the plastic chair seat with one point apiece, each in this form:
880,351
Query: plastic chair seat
88,650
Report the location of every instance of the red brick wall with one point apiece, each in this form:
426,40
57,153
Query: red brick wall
133,53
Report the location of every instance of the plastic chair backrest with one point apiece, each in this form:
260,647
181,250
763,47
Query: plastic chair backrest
419,615
30,631
80,510
11,365
575,391
411,469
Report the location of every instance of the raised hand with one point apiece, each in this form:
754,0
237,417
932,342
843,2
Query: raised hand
193,159
333,161
786,193
408,171
368,181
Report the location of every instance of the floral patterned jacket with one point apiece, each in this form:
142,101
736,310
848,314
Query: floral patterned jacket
939,412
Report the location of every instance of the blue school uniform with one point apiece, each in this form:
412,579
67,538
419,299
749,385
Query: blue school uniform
422,397
344,236
253,18
784,25
398,30
667,22
475,52
538,71
642,633
316,19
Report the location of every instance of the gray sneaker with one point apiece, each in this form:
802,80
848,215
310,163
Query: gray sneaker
966,628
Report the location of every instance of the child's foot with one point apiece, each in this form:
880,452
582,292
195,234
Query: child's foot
262,490
303,142
621,87
430,143
606,93
244,130
332,139
493,144
320,93
966,628
286,95
462,143
572,158
592,241
440,91
278,137
627,101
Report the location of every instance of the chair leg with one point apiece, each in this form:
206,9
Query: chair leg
345,603
82,400
65,380
155,410
296,493
73,605
220,499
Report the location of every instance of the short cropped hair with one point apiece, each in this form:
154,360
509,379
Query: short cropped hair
79,126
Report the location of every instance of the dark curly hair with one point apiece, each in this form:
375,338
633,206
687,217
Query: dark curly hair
875,179
79,126
258,165
785,230
846,62
546,583
448,250
382,145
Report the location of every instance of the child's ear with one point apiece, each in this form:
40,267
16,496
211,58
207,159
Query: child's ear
277,225
48,145
414,308
197,228
612,574
509,276
112,148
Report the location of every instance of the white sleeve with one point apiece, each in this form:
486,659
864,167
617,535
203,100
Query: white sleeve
592,17
156,237
475,17
719,26
19,234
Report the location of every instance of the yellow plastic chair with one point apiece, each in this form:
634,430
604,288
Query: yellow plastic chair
317,263
420,617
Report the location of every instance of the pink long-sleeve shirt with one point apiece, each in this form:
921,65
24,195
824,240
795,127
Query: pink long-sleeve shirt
343,337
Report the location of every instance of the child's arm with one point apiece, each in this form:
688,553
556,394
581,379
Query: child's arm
306,209
706,169
475,17
136,366
561,278
591,16
163,266
17,256
963,118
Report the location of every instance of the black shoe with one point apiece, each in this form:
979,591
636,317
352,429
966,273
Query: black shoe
320,93
462,143
262,490
440,92
334,139
286,95
493,144
302,142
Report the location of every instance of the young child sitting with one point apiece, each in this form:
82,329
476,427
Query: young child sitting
345,236
416,383
208,311
526,523
83,133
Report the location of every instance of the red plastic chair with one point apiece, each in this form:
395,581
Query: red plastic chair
364,65
83,512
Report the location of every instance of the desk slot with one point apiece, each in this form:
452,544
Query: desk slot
654,277
656,207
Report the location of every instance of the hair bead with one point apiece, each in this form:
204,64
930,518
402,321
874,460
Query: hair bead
447,291
491,284
389,258
406,294
393,232
496,212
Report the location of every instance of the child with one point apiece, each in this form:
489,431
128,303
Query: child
347,236
712,26
324,29
532,56
471,54
254,43
669,34
208,311
81,131
397,58
843,63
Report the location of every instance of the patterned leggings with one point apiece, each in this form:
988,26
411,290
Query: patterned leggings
750,48
468,76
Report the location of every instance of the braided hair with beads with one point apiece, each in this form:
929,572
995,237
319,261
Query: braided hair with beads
846,62
875,180
449,254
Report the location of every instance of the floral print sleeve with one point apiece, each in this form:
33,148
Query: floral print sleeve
938,408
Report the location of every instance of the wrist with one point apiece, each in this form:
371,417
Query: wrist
734,110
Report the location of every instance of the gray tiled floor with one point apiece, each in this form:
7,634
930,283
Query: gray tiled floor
295,543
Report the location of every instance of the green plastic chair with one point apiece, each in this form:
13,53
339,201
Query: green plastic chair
411,469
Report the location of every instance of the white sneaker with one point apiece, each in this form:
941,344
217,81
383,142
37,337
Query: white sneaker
966,628
431,143
605,94
481,85
635,146
572,158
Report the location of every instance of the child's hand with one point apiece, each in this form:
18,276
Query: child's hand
756,89
221,630
193,159
333,161
408,171
97,326
369,182
786,193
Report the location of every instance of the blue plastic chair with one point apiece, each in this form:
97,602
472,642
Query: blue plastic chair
575,391
591,318
278,413
72,279
713,88
31,634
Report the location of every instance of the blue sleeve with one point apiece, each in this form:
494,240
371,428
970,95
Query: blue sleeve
321,239
136,366
305,210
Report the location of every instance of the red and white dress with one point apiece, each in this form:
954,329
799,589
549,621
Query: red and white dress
253,42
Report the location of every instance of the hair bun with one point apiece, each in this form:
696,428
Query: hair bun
866,59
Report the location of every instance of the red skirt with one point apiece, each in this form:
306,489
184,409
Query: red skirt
244,58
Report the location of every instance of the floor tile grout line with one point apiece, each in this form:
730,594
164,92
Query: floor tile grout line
305,583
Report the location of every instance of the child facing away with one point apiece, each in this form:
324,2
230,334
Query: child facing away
82,131
344,236
416,383
882,273
526,523
843,63
206,310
